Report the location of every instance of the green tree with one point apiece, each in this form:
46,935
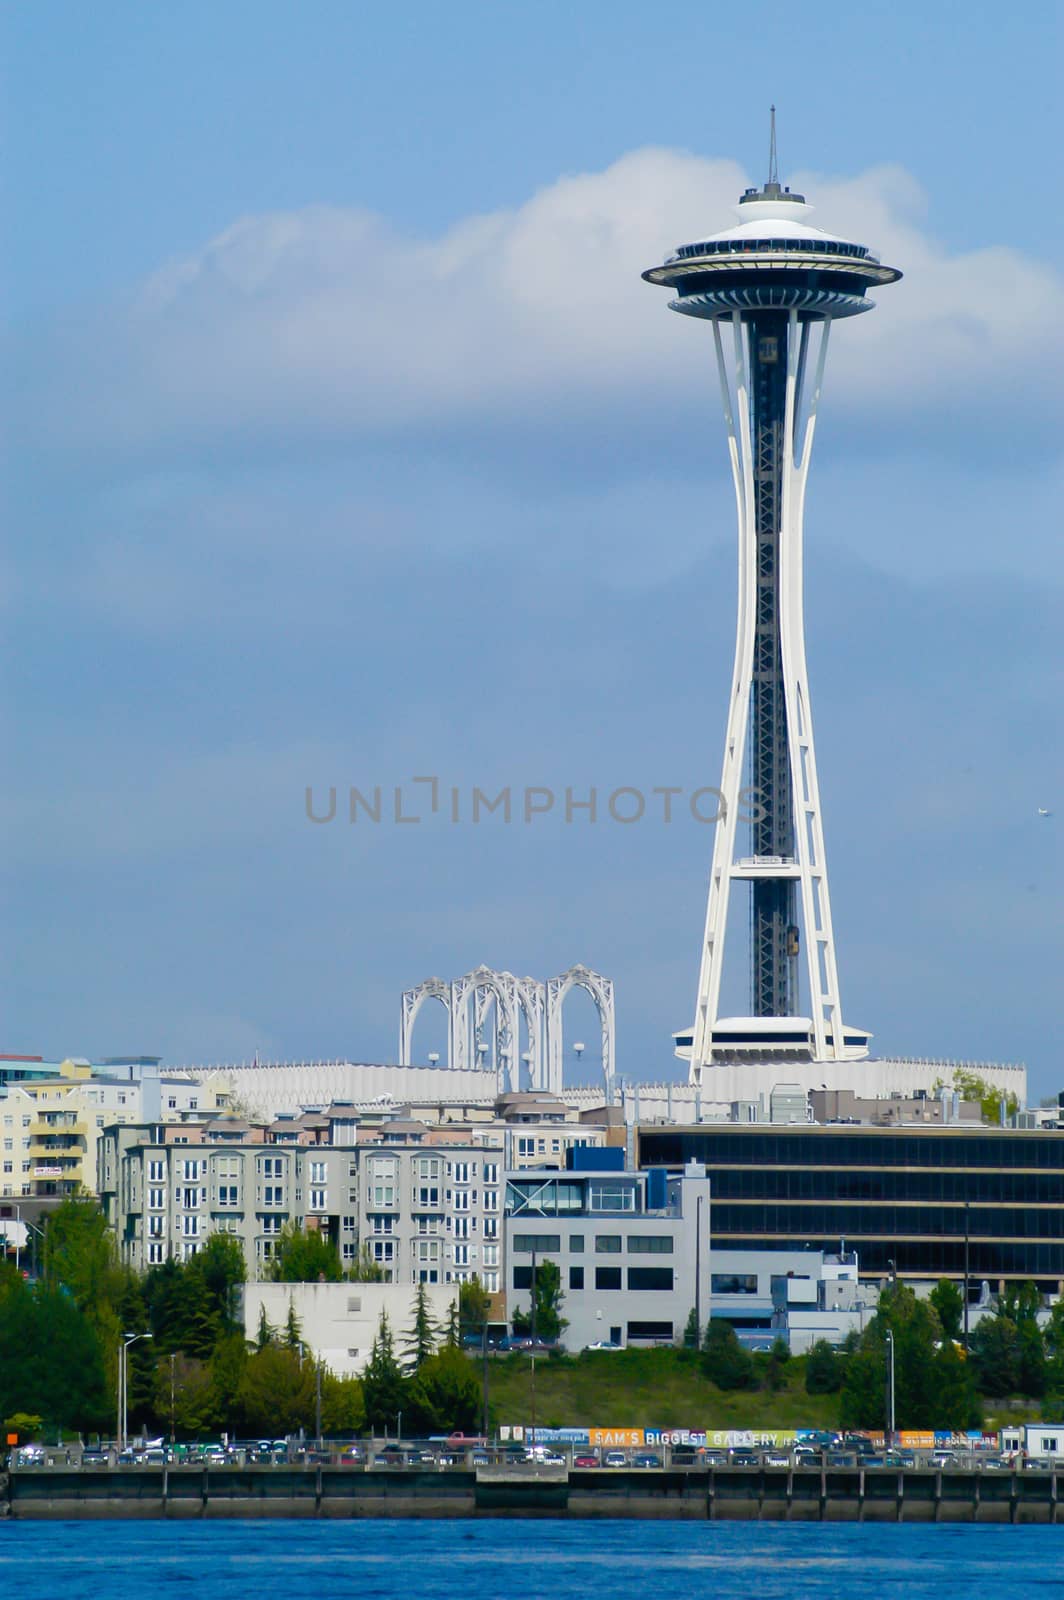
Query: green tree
384,1388
195,1400
774,1375
1031,1366
422,1336
79,1254
219,1272
970,1086
916,1332
264,1334
445,1395
994,1356
692,1333
948,1302
293,1333
51,1361
956,1403
343,1409
823,1369
474,1305
365,1269
724,1360
304,1256
228,1364
277,1392
547,1320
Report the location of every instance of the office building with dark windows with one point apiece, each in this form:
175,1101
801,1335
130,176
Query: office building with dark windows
918,1202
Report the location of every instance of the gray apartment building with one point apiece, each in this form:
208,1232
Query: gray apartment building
426,1212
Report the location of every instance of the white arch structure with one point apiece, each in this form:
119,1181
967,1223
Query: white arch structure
484,1010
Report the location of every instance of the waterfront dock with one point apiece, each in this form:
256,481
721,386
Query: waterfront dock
758,1494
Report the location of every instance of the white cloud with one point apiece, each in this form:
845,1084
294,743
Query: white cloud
327,322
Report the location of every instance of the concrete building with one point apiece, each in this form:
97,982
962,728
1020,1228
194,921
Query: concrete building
338,1322
626,1244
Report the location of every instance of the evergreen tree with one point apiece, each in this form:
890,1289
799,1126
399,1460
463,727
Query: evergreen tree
383,1386
264,1334
724,1360
948,1302
293,1333
277,1393
365,1269
956,1403
548,1322
823,1369
474,1305
994,1356
421,1338
445,1395
692,1333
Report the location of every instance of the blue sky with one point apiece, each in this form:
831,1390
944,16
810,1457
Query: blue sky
345,444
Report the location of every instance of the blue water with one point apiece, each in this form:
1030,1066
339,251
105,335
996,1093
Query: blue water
522,1560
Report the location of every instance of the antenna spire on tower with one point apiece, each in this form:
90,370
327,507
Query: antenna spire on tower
773,167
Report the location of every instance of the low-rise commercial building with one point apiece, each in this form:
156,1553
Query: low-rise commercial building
338,1322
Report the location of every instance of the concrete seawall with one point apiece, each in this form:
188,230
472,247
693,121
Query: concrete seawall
726,1493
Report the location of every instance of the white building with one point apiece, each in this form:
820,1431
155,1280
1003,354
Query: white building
338,1322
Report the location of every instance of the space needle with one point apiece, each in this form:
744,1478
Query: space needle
770,289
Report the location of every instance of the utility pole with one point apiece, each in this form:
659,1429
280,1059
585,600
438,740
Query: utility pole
967,1233
317,1403
698,1273
533,1353
890,1388
173,1396
484,1357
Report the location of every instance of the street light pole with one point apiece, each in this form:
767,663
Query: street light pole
890,1387
123,1385
698,1273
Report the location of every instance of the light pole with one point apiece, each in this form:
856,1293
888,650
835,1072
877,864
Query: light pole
123,1385
173,1397
890,1388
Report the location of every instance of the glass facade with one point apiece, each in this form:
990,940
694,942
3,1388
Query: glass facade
905,1196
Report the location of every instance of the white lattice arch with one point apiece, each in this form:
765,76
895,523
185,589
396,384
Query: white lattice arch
413,1000
601,991
470,999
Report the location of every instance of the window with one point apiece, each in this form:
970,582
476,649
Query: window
273,1195
383,1194
607,1277
317,1172
461,1255
427,1196
734,1283
611,1196
576,1277
349,1250
382,1225
607,1244
576,1244
491,1199
350,1224
270,1225
491,1228
491,1172
491,1255
157,1199
155,1227
427,1167
227,1194
461,1200
461,1227
522,1277
191,1171
525,1243
663,1331
650,1244
383,1250
656,1278
190,1227
271,1166
155,1254
463,1171
317,1200
490,1280
426,1250
526,1147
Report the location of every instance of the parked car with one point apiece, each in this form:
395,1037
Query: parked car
776,1458
587,1459
745,1458
603,1344
353,1456
685,1456
715,1458
94,1458
481,1457
646,1458
615,1458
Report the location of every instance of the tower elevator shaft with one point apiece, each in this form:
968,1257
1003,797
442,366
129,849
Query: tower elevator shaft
773,929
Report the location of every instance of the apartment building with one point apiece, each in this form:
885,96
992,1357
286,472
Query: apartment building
50,1125
425,1212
